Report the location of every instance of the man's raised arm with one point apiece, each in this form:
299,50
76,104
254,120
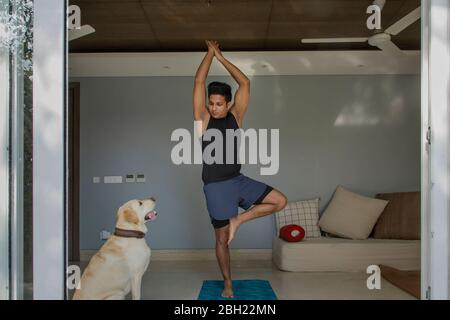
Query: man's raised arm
199,85
242,96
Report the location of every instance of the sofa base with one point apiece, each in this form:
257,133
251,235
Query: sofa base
344,255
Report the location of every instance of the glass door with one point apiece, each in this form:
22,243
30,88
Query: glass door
16,20
4,159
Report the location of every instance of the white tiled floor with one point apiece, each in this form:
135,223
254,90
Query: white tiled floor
183,280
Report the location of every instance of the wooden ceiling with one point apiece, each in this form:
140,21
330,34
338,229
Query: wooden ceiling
239,25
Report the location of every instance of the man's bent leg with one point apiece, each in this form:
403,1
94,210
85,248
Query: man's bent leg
273,202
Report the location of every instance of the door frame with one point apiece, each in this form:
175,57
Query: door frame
49,174
435,148
73,222
425,161
4,171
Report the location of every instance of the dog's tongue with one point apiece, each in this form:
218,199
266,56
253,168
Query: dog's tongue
151,215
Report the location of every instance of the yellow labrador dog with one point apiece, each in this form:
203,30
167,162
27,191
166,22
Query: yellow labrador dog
120,263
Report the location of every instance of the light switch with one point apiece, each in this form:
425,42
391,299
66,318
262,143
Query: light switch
113,179
140,178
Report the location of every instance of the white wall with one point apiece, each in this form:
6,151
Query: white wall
359,131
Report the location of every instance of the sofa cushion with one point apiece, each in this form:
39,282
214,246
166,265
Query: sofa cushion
401,217
304,213
345,255
350,215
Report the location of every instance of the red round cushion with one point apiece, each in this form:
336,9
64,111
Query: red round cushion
292,233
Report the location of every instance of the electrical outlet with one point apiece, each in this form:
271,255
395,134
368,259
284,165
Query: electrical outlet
96,180
105,235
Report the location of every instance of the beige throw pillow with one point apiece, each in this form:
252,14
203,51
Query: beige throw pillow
350,215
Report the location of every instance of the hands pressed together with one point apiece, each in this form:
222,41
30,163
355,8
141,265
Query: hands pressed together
213,47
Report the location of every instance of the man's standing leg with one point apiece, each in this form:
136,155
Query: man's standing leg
223,258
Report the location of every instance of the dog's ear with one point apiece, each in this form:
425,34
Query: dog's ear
130,216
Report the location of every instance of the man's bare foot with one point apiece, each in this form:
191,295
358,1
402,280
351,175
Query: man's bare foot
234,225
227,289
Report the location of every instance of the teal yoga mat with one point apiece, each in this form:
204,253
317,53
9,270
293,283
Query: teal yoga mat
243,290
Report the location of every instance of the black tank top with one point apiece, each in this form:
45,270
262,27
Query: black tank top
221,171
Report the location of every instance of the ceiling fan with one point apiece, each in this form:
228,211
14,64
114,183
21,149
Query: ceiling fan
78,33
381,38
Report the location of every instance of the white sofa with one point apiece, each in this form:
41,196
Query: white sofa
328,254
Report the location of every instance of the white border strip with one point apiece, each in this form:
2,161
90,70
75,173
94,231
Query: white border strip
48,149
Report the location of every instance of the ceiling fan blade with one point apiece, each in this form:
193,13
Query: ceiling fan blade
390,48
334,40
78,33
404,22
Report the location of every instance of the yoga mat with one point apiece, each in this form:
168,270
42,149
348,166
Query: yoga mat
243,290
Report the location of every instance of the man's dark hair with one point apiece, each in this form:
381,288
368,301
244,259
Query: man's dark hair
221,88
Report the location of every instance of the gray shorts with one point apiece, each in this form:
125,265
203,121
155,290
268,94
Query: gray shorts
223,198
